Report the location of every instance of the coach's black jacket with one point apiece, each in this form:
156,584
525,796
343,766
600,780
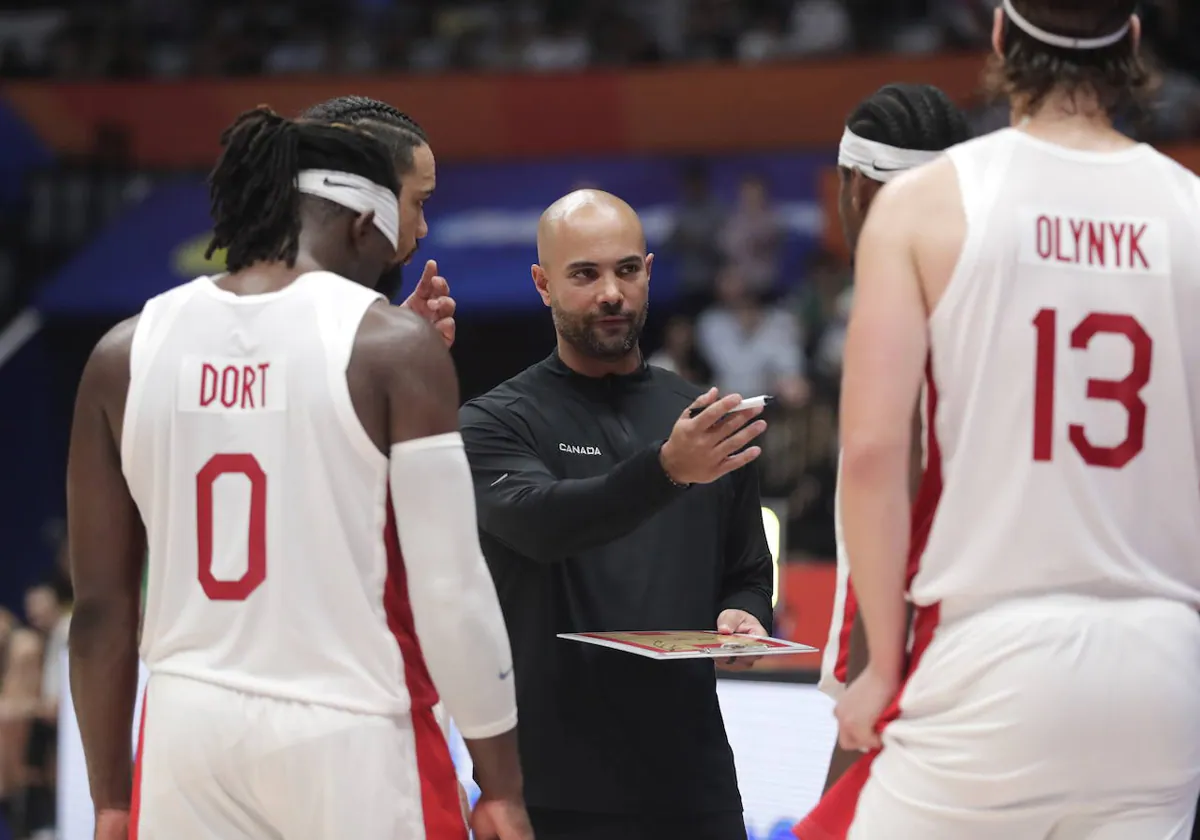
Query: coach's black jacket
583,531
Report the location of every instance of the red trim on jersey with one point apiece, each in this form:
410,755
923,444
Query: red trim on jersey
832,816
135,805
841,666
439,782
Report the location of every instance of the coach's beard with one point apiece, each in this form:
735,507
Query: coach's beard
583,333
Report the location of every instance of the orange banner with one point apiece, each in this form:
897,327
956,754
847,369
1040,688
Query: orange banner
684,110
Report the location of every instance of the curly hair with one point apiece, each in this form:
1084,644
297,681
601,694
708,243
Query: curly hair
909,116
1118,77
255,203
396,129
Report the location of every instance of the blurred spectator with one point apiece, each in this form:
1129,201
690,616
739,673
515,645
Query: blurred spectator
695,239
821,304
766,39
170,38
753,349
710,31
560,47
31,661
753,237
827,355
20,694
679,353
1177,115
48,613
820,26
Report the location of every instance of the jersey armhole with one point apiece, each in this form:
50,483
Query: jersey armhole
979,181
153,327
338,335
1196,195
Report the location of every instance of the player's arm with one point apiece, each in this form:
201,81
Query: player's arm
547,519
856,654
885,357
455,609
856,661
107,544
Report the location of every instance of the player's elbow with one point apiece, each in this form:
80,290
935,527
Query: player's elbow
466,649
103,624
873,458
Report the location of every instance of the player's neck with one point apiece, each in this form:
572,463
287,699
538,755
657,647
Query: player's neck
1075,121
266,277
596,368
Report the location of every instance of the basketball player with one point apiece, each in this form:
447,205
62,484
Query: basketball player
897,128
417,171
284,444
1044,282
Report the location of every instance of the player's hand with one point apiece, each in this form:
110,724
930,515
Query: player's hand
739,621
860,708
431,300
712,444
112,825
500,819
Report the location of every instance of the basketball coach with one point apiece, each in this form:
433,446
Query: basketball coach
604,506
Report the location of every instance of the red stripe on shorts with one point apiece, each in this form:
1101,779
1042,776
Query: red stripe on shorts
832,816
135,805
439,782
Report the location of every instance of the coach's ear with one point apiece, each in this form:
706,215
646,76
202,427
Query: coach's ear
1135,31
541,282
998,32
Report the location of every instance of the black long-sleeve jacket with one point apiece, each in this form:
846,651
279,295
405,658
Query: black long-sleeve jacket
583,531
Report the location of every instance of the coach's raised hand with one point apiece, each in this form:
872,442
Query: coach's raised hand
431,300
703,448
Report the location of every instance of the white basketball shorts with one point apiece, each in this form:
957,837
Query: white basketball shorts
219,764
1056,718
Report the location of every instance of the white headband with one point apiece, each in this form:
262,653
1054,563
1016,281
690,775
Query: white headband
355,193
1062,41
879,161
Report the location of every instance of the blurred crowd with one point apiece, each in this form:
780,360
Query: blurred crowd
32,656
751,322
171,38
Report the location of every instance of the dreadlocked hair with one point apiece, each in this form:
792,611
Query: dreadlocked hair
907,116
395,128
254,199
1120,78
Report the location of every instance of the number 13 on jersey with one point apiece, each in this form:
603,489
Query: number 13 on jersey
1126,392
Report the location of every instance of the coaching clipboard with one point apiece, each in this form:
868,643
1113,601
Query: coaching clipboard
688,644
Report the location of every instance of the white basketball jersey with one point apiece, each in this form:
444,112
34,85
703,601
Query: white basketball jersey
1065,380
273,563
835,655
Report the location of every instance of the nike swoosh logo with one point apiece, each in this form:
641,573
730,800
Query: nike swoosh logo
329,183
506,674
498,480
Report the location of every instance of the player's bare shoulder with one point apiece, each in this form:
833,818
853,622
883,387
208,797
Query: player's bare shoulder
105,380
399,359
923,211
393,341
